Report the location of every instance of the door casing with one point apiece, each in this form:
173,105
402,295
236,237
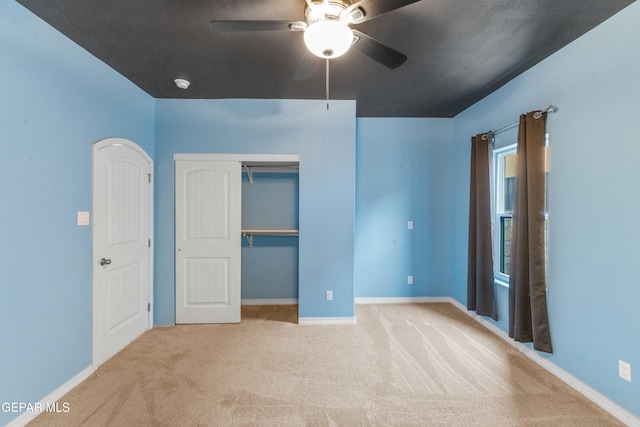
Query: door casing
241,158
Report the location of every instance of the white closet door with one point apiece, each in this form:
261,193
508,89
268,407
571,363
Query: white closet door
208,241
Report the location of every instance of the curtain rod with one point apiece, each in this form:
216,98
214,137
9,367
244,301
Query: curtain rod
549,109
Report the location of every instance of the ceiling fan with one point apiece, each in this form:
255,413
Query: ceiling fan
328,33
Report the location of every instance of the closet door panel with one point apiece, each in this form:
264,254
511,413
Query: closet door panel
207,204
207,281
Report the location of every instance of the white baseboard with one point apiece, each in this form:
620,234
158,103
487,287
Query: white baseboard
586,390
51,398
401,300
271,301
326,321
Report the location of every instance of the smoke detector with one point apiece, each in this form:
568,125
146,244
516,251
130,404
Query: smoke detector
182,83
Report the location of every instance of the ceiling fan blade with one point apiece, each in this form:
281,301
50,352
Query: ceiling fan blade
307,66
364,10
375,50
235,26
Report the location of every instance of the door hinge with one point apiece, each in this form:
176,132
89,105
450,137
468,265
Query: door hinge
149,175
149,243
149,307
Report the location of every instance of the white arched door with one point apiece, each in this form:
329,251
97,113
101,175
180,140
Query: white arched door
122,254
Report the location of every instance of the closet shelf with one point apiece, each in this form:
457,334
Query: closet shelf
269,167
270,231
250,232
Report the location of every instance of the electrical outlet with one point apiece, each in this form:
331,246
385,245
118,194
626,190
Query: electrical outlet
624,370
410,225
410,280
328,295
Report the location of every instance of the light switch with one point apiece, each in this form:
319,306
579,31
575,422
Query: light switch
410,225
83,218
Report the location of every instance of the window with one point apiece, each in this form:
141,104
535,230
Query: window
504,172
504,164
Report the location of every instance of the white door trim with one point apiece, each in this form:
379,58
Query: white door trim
98,145
276,158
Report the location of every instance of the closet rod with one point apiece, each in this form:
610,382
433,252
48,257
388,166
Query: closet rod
491,133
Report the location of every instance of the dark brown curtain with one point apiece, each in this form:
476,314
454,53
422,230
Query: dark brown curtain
528,318
480,280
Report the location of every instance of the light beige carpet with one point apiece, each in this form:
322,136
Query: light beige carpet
401,365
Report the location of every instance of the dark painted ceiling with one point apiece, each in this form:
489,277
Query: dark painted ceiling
458,51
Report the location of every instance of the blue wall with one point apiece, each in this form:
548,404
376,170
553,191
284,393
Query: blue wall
325,142
270,268
403,170
594,280
55,101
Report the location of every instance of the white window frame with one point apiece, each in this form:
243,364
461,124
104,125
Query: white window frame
498,207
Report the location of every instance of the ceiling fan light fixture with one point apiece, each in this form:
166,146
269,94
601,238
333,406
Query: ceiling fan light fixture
328,38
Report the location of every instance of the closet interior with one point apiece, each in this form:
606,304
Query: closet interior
270,230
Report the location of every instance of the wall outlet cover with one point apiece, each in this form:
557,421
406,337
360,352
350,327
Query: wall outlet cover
624,370
328,296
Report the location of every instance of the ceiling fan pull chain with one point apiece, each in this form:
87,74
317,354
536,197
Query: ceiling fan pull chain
327,83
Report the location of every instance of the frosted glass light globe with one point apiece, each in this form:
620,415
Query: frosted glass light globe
328,38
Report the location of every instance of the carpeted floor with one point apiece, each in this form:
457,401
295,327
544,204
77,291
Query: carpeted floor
400,365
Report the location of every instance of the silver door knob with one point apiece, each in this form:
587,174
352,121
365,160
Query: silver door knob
105,261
